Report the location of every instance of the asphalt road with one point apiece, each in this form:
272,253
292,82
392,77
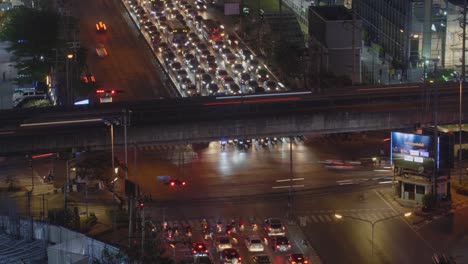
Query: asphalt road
130,65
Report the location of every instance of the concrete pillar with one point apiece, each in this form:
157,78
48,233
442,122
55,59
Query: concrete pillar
427,32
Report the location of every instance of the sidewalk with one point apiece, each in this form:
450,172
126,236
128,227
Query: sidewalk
419,218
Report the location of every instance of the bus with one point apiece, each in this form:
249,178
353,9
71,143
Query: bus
212,30
176,33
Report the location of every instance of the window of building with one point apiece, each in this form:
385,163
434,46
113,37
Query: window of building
420,189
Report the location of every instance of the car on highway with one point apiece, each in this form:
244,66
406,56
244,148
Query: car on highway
227,80
147,24
169,57
274,227
199,249
133,4
237,68
254,244
219,44
244,78
204,54
192,90
297,259
233,88
270,86
200,5
224,51
254,65
220,74
230,256
175,66
260,259
101,50
201,47
280,244
199,72
193,64
245,55
163,46
206,79
101,27
229,58
252,85
262,75
212,67
212,88
185,82
232,40
182,73
210,58
152,30
222,243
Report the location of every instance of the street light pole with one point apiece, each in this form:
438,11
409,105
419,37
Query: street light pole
338,216
68,98
460,148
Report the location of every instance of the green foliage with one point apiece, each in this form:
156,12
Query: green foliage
37,103
96,166
429,201
108,257
32,32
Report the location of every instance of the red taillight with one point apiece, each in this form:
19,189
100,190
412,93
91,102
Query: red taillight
184,183
284,228
172,183
194,251
206,250
269,229
294,262
112,91
199,246
306,262
100,91
289,245
239,258
277,246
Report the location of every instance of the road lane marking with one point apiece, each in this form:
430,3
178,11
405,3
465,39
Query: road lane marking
293,179
314,218
287,186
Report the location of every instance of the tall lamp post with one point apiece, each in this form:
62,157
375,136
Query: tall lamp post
372,223
115,170
68,97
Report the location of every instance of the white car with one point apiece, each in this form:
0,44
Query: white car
254,244
223,243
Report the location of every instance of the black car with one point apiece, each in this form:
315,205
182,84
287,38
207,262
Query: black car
199,249
206,79
212,88
228,255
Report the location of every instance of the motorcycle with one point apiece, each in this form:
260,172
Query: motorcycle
219,227
241,225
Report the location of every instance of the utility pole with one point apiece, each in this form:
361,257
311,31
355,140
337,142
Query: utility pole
436,154
353,46
142,230
462,81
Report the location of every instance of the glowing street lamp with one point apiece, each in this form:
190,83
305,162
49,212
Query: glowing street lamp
339,216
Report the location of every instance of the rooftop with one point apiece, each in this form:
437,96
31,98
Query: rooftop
333,12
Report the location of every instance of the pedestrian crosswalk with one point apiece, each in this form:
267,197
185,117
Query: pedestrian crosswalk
312,217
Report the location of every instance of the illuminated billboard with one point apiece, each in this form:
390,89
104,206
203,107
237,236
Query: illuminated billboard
412,152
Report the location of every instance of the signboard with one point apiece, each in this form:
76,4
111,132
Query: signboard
412,152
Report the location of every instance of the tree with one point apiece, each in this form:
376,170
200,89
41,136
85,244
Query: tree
288,57
37,103
96,166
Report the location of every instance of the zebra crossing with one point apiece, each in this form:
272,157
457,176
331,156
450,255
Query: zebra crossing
312,217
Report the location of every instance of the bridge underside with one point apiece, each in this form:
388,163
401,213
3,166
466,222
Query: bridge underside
98,136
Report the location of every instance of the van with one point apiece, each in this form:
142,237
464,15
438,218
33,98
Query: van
20,95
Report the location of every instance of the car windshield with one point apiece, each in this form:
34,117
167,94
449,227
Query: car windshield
255,241
224,240
282,241
275,225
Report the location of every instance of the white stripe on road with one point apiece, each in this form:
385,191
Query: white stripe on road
314,218
287,186
293,179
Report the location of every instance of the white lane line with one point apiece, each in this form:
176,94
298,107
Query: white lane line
314,218
287,186
293,179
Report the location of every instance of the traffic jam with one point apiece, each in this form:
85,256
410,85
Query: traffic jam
200,56
232,241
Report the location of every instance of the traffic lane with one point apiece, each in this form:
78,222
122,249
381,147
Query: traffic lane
448,235
129,66
230,173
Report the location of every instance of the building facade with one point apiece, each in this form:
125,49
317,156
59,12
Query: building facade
335,41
